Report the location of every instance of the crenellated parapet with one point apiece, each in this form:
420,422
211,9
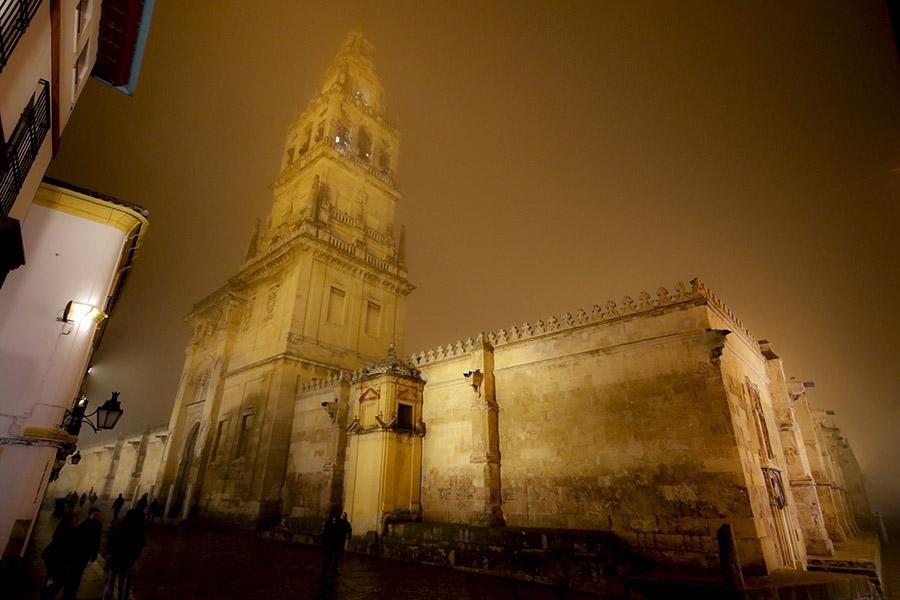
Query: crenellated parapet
600,313
317,385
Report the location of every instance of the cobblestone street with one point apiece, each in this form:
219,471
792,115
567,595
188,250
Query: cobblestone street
193,562
190,561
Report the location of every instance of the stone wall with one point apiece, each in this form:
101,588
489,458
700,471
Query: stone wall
313,484
620,426
128,466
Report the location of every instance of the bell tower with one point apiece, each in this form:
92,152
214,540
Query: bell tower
322,289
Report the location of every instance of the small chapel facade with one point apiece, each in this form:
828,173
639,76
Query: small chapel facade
656,418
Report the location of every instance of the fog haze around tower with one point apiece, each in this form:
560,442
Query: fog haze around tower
552,157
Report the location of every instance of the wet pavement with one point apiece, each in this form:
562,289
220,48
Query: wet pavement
192,561
196,562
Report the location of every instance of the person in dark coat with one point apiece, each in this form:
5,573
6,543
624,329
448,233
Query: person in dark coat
117,506
124,546
335,533
83,499
58,556
154,511
87,545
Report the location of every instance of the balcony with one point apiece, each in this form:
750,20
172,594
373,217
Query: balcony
15,16
22,147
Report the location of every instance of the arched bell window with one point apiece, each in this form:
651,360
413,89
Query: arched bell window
364,145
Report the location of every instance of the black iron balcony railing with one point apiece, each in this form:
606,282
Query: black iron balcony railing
20,150
15,16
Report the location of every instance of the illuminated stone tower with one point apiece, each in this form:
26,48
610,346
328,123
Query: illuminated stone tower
322,289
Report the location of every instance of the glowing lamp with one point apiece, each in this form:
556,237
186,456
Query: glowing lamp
109,413
74,312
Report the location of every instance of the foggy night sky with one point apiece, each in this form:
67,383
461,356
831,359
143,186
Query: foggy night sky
553,155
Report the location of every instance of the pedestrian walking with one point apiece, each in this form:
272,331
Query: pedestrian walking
118,503
93,497
335,533
87,545
83,499
59,556
155,510
124,546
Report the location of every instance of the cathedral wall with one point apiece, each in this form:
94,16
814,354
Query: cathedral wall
315,462
231,476
133,470
265,319
855,488
125,468
450,479
645,395
152,462
774,518
90,473
346,311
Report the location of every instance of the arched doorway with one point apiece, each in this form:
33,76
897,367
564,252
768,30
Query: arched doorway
184,468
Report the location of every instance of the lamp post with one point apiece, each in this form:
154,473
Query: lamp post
107,415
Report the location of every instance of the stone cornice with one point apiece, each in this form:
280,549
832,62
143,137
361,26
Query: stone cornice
681,295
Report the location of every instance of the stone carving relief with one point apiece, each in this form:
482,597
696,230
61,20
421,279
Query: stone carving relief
271,301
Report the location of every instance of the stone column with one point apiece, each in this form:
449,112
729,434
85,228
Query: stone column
819,481
140,452
106,492
802,483
485,439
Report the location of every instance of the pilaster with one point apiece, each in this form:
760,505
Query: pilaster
485,438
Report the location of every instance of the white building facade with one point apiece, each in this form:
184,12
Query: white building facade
79,246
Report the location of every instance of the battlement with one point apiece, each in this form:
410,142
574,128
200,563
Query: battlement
610,311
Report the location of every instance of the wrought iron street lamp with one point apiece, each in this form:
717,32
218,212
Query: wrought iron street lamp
106,415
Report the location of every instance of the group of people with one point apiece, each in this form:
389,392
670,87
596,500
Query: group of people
153,510
73,499
75,545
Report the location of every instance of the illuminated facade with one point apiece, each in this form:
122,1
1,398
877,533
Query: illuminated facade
656,419
80,247
323,289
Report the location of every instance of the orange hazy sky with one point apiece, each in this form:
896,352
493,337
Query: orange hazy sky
553,155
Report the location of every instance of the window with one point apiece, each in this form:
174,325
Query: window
82,16
244,435
216,441
335,311
307,135
365,144
405,416
81,66
341,136
762,430
248,314
373,319
384,161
